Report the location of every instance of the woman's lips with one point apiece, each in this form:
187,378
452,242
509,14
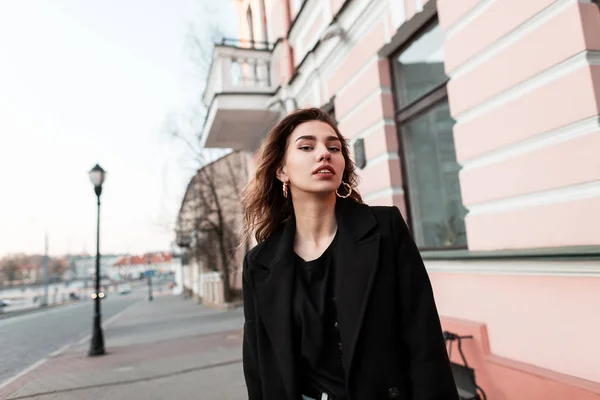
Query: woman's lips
324,170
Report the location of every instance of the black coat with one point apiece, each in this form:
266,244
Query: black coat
392,344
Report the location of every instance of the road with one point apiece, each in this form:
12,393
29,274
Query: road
26,339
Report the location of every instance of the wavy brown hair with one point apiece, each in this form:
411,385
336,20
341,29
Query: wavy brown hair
265,208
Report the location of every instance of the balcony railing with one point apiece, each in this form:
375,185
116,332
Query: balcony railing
236,69
247,44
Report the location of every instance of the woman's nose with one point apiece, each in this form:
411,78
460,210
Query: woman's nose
324,156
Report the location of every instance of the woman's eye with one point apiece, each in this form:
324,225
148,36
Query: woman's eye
334,149
306,148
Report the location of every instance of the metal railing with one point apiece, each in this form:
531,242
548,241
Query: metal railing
246,43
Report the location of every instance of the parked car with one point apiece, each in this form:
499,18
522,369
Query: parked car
5,303
124,289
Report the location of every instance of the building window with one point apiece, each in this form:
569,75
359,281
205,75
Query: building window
436,212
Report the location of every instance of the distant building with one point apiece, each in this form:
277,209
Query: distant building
133,267
84,267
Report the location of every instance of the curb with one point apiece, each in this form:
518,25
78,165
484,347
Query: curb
10,314
224,306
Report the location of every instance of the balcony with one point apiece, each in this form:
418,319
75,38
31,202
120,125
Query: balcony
239,88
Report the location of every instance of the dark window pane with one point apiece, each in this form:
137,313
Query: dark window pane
420,67
432,171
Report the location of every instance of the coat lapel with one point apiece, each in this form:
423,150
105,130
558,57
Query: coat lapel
356,269
274,290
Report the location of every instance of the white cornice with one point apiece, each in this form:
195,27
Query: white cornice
551,138
516,267
545,197
581,60
468,17
502,43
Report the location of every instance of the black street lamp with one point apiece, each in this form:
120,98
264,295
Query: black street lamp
184,241
148,272
97,175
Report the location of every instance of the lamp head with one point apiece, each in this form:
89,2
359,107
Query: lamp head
97,176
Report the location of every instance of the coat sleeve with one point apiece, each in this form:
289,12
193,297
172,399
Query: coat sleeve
250,346
429,369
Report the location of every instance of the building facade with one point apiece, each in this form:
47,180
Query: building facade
479,119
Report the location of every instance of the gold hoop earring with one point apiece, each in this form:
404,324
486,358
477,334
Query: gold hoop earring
285,190
347,194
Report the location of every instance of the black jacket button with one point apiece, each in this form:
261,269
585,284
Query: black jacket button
394,393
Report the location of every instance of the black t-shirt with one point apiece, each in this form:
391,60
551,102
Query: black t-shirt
315,317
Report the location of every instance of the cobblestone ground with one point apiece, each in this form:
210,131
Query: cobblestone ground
165,349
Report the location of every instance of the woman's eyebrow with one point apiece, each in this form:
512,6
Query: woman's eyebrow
311,137
307,137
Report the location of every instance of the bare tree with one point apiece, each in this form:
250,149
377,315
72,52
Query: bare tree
211,211
11,270
58,266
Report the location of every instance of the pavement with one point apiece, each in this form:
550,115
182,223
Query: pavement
169,348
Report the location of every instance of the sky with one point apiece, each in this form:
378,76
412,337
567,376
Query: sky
85,82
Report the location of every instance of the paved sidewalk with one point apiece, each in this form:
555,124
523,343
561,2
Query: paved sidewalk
166,349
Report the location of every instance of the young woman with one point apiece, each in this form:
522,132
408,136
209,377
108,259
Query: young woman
337,302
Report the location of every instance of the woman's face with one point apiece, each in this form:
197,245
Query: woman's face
313,161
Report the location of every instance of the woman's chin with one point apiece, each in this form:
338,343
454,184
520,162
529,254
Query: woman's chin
321,191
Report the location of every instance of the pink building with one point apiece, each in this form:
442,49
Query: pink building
479,119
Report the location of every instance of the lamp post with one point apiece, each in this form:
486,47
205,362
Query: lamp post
97,175
183,242
148,272
44,302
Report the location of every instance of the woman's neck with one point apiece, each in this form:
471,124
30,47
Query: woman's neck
315,219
